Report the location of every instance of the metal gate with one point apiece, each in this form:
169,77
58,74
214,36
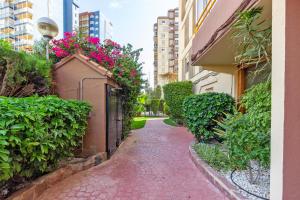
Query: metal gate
114,122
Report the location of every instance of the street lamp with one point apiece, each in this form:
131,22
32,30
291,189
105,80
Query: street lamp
49,29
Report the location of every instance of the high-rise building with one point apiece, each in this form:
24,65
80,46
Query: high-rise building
166,41
18,20
95,24
71,15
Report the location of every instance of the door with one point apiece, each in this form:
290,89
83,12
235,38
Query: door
111,120
119,120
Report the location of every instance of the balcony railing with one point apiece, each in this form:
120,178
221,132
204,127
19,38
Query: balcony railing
210,4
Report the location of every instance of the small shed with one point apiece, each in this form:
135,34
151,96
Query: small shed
78,78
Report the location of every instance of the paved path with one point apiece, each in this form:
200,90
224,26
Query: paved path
152,164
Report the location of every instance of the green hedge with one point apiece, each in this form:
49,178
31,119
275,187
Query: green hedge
155,103
201,112
248,135
174,94
37,132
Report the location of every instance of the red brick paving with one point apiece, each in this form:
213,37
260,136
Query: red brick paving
152,164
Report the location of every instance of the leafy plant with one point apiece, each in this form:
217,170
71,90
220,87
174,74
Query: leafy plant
214,155
157,92
201,111
22,74
170,122
155,106
248,135
37,132
174,94
254,38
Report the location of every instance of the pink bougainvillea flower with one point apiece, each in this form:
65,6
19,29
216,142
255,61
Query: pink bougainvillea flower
68,35
93,40
133,73
77,46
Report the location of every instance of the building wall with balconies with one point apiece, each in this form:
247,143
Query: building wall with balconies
203,80
18,20
213,46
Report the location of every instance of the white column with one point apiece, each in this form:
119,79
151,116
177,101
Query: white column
278,95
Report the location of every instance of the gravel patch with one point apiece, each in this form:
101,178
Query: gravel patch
261,188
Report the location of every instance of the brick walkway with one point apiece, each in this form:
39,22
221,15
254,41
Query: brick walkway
153,164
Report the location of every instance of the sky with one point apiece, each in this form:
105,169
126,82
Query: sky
133,22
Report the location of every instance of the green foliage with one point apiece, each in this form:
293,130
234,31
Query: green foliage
174,94
130,92
157,92
140,104
37,132
138,123
22,74
201,111
170,122
254,38
214,155
248,135
39,48
166,109
155,105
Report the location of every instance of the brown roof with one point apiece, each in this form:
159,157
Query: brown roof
93,65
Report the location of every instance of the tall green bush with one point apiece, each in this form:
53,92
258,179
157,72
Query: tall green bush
155,106
174,94
37,132
201,112
248,135
22,74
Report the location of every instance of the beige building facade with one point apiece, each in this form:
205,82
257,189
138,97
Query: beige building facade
166,45
203,80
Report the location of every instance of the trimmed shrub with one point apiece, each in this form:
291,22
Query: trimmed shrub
201,112
174,94
37,132
155,106
248,135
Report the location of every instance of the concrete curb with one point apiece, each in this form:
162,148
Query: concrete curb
37,187
217,180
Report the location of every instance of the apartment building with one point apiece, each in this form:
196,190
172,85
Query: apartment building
203,80
95,24
18,20
166,45
71,15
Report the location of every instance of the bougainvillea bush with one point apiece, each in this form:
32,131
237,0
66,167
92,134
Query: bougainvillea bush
123,62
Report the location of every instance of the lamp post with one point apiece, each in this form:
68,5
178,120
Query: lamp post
48,29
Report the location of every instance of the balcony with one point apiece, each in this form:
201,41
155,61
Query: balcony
23,10
213,46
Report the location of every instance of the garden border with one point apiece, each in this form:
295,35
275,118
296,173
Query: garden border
217,180
37,187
